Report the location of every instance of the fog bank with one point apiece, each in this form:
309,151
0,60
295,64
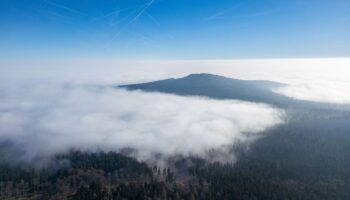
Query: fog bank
41,119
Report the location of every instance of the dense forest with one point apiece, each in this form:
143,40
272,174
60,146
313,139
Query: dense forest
302,159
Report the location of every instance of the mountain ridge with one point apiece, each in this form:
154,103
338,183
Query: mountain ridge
217,87
221,87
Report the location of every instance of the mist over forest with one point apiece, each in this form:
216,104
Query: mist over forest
230,133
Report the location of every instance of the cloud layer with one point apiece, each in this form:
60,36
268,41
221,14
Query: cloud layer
42,119
319,91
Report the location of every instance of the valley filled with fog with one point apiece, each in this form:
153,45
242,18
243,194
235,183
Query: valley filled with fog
82,110
42,120
265,120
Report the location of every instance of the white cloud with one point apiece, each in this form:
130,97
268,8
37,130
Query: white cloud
43,119
320,91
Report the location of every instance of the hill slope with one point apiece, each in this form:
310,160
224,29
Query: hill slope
218,87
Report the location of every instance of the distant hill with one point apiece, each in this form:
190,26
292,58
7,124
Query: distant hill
218,87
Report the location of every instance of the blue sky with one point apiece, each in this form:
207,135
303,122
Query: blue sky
174,29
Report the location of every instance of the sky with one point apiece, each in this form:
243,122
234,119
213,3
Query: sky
173,29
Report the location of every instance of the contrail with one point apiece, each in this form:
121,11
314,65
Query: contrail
133,9
105,15
142,11
125,19
222,13
63,7
152,18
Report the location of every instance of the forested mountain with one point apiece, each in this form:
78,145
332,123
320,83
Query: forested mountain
218,87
